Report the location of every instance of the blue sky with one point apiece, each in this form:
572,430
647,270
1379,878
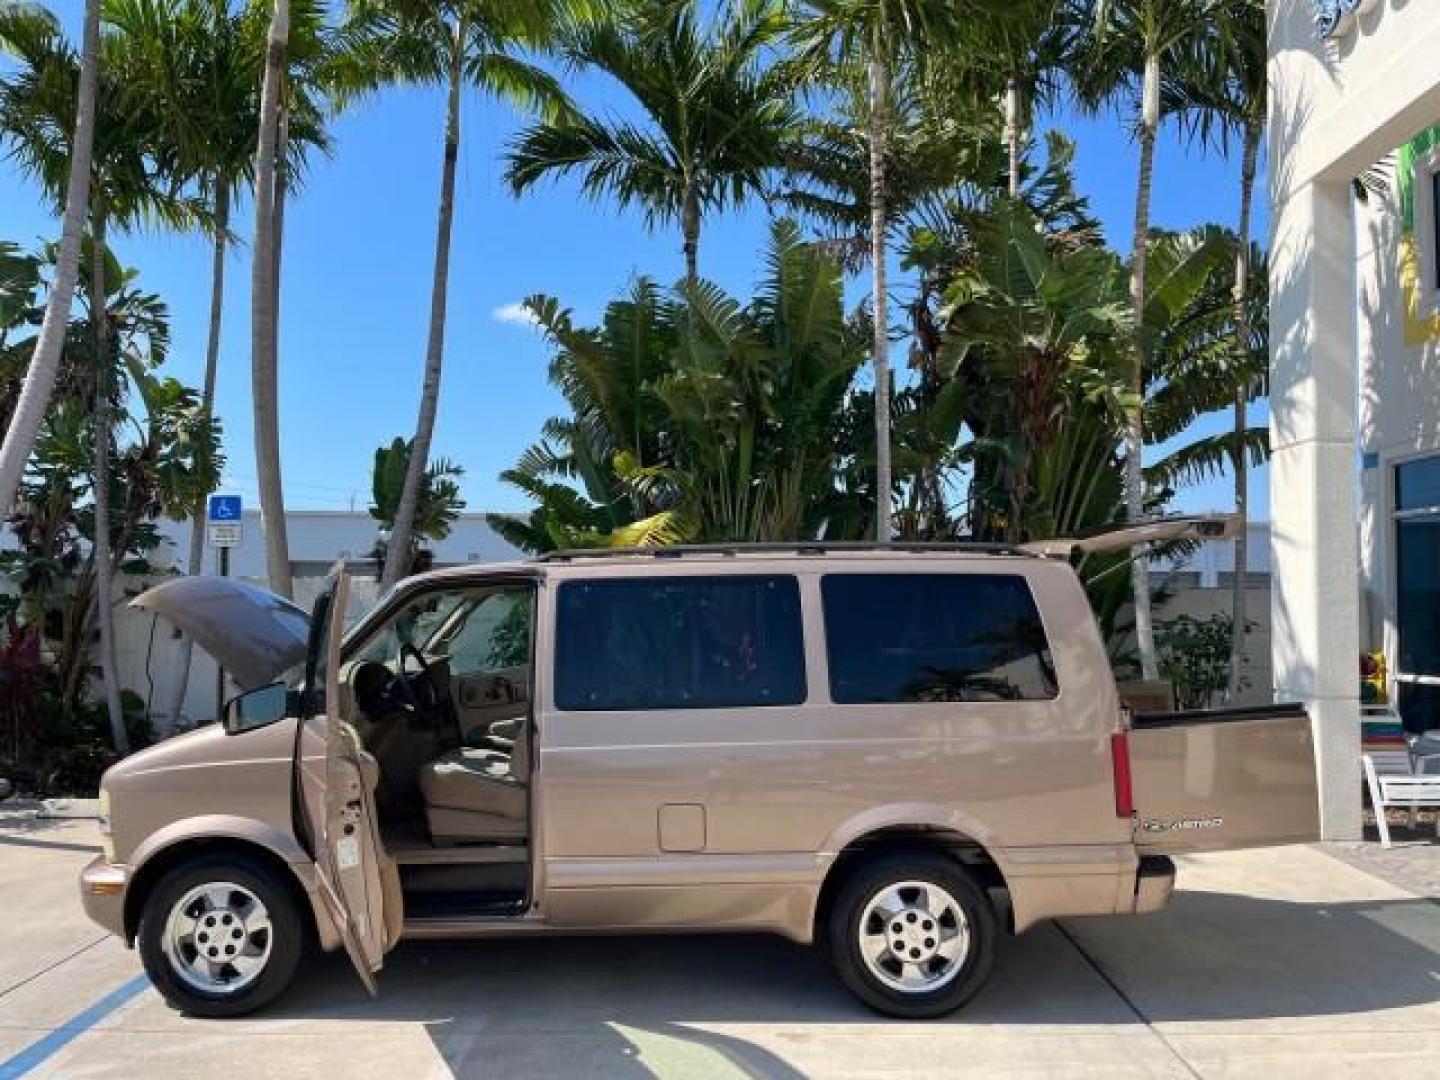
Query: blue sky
358,253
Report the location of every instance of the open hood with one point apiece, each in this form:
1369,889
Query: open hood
251,632
1158,530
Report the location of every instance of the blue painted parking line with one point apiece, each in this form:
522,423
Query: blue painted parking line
42,1049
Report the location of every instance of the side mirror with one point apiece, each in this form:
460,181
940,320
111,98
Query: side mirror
257,708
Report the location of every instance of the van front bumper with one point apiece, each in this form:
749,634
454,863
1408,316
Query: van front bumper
102,893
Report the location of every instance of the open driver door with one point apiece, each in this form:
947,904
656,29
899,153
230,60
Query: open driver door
335,780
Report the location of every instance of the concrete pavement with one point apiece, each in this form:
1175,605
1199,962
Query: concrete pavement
1273,963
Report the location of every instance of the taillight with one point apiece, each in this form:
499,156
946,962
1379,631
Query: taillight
1124,790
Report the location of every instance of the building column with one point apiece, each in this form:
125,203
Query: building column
1315,609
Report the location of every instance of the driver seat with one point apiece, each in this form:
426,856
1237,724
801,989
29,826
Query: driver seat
476,795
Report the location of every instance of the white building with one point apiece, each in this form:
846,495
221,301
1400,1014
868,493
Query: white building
1355,365
318,537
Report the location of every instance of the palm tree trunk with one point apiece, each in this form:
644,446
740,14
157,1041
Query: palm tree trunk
282,198
75,647
1012,132
45,362
195,561
264,329
879,299
397,560
690,229
100,482
1135,431
1253,134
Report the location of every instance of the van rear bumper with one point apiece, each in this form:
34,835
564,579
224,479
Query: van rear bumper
102,893
1052,883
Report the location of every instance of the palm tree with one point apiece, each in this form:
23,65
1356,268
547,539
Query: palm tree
1030,43
716,116
874,42
452,44
128,184
176,452
264,314
1220,95
1194,362
26,33
1124,57
200,61
1010,54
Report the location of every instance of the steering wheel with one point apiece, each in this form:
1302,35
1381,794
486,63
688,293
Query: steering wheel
426,702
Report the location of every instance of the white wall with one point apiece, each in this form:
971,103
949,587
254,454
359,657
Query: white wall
1399,410
1217,558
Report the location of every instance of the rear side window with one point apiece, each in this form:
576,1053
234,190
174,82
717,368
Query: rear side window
679,643
934,637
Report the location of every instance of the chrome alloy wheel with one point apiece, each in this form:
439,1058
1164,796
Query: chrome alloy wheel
218,937
913,936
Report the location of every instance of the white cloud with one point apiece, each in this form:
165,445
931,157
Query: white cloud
515,314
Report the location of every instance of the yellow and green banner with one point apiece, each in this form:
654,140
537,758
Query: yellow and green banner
1422,319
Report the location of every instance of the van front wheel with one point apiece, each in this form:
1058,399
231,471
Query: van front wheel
912,935
220,936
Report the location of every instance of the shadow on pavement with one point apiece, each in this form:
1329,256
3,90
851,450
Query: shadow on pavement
52,845
619,1004
1216,956
606,1006
19,827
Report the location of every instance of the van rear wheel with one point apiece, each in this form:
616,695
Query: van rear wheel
912,935
221,936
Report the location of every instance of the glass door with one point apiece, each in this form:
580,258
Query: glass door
1417,593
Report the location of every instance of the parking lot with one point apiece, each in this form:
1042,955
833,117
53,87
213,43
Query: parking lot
1283,962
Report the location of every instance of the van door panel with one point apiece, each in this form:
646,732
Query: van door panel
486,697
1221,779
358,884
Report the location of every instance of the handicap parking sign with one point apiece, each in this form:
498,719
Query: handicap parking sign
222,520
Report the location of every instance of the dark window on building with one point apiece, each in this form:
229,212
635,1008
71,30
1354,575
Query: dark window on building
1417,484
934,637
679,643
1435,222
1417,589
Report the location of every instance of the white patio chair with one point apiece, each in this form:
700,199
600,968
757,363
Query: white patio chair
1392,783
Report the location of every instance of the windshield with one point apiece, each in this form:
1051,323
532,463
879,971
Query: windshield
413,625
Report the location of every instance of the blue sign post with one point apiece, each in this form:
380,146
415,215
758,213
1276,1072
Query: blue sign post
223,516
222,521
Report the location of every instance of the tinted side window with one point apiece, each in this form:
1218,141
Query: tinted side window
679,643
934,637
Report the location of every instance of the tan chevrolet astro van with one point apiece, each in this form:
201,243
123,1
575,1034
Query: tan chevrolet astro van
894,753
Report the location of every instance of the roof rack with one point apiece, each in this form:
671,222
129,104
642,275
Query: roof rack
799,547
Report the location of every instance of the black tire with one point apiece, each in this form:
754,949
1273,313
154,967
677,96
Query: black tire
842,934
287,935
